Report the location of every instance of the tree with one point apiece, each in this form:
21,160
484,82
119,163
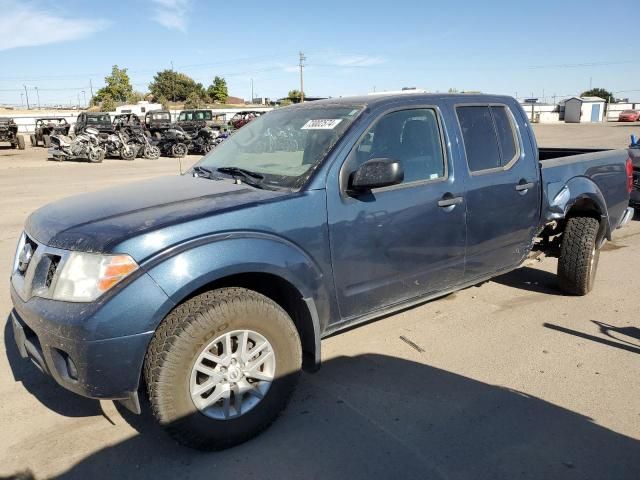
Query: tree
108,104
194,100
164,102
135,97
118,86
218,91
599,92
294,96
174,85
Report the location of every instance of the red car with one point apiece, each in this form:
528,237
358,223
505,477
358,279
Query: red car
629,116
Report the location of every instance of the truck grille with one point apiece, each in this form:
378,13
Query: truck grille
36,276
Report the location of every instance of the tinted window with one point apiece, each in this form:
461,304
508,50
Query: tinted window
478,133
506,135
411,137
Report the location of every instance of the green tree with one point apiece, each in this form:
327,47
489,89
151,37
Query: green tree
285,102
108,104
164,102
294,96
135,97
118,86
599,92
174,86
194,100
218,91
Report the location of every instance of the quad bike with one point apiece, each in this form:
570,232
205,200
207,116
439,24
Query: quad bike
85,145
9,133
174,142
46,127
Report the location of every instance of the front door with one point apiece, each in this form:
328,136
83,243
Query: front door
502,190
397,243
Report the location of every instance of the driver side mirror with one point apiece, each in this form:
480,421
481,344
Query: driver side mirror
376,173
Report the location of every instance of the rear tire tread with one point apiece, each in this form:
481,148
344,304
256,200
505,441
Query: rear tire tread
575,262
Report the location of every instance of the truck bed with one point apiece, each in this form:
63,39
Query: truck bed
598,174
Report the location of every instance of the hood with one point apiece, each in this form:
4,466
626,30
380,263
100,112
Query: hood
96,222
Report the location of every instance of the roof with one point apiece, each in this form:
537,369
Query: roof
587,99
417,98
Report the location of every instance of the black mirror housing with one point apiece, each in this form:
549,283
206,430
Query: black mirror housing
376,173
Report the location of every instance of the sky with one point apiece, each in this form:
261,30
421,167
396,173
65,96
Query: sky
543,49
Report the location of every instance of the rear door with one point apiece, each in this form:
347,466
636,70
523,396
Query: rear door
502,188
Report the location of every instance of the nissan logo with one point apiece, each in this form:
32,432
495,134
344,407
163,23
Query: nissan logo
25,257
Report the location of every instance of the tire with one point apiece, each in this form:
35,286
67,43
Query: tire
46,139
32,139
21,144
96,155
579,255
151,152
181,340
179,150
128,153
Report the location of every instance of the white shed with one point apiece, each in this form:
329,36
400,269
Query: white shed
584,109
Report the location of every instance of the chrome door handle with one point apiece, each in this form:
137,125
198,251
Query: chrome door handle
524,186
448,202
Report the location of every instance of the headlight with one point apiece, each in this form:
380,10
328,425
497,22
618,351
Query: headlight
86,276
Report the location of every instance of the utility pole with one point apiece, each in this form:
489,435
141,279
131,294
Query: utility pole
84,96
252,97
26,94
302,59
173,84
22,99
38,94
91,88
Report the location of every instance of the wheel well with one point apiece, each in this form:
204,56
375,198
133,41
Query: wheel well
585,207
284,294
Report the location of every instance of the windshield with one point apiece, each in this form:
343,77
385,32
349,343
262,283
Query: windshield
98,119
161,116
190,116
284,145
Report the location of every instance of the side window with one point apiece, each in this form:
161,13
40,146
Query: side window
412,137
479,135
489,136
506,134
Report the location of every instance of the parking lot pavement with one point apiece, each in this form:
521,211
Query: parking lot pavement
506,379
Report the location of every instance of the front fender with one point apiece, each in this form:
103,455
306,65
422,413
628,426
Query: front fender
191,266
563,197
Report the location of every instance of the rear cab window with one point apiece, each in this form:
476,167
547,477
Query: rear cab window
489,137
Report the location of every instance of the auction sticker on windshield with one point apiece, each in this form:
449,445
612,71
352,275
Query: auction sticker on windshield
321,124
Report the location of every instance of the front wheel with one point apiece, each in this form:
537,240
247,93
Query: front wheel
96,155
21,144
32,139
151,152
127,153
46,139
579,255
179,150
221,367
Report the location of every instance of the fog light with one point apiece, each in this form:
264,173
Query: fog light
72,370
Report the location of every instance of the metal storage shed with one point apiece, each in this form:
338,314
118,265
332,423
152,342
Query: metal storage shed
584,109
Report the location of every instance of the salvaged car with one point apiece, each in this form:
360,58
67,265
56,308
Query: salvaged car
193,120
157,122
9,133
212,289
45,127
99,121
240,119
629,116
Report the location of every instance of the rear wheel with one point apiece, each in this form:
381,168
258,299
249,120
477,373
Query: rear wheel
96,155
32,139
221,367
21,144
46,139
127,153
152,152
579,255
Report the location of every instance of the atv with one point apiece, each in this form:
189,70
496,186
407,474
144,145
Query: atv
9,133
45,127
157,122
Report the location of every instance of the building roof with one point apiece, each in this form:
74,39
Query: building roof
587,99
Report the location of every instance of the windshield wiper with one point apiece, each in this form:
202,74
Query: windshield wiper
204,172
250,178
241,171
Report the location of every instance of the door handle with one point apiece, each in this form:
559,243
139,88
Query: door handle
524,186
450,201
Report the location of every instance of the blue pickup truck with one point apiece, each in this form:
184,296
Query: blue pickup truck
211,290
